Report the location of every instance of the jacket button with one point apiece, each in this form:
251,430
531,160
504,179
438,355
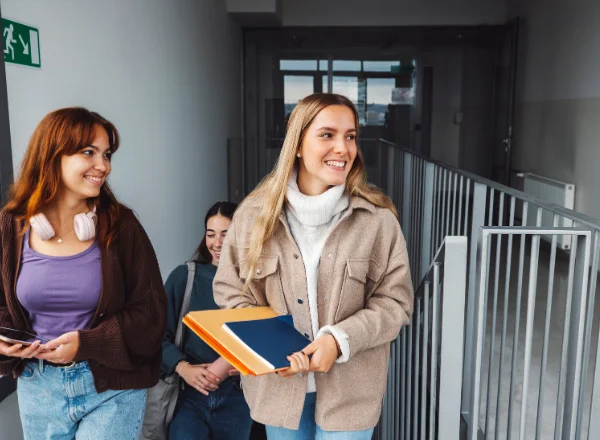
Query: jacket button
325,298
330,255
102,383
300,301
258,271
296,256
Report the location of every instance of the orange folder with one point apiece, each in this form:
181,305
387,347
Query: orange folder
208,325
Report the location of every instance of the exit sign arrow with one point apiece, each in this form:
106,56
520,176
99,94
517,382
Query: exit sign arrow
25,46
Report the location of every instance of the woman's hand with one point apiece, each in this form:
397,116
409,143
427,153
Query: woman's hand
20,351
61,350
299,363
198,377
324,351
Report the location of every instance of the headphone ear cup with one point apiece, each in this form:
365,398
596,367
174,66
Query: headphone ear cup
42,227
85,226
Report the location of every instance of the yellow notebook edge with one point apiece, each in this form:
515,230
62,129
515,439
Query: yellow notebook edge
220,349
234,358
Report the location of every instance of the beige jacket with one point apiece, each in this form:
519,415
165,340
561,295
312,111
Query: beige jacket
364,288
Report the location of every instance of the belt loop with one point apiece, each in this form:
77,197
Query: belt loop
41,365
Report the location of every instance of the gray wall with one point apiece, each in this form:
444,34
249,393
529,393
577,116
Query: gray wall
447,63
558,95
167,74
10,425
392,12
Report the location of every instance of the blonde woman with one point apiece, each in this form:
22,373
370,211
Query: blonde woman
314,240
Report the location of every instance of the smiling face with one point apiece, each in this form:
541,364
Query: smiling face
328,150
84,173
216,230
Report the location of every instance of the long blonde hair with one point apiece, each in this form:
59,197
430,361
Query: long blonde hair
271,191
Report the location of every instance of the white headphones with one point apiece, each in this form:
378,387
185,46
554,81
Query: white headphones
84,224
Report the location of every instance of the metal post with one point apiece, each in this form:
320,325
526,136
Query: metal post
452,332
407,189
475,382
477,221
427,227
576,335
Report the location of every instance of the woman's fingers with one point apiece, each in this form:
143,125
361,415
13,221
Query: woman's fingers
10,350
201,389
32,350
206,384
20,351
302,360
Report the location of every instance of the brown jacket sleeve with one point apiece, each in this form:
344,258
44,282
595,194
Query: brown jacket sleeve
137,330
7,364
389,307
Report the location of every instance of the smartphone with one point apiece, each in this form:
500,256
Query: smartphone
12,336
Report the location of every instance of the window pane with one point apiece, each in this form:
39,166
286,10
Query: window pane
354,89
379,95
294,89
297,64
380,66
346,66
324,65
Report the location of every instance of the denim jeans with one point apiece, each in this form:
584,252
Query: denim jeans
61,403
222,415
309,430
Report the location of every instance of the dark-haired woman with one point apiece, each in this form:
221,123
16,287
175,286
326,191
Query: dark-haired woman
78,270
212,405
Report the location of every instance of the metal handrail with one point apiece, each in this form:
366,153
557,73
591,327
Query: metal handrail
581,218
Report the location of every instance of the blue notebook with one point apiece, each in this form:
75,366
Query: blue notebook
272,339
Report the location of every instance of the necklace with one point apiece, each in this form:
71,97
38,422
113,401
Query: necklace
60,237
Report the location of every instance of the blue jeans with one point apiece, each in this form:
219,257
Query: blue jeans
222,415
309,430
61,403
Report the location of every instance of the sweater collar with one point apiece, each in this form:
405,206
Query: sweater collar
315,210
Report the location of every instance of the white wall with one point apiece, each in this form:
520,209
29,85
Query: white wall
558,95
392,12
167,73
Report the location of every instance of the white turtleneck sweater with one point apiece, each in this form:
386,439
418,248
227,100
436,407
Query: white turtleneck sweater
311,219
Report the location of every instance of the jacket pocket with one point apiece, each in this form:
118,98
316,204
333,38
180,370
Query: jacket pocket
267,281
360,276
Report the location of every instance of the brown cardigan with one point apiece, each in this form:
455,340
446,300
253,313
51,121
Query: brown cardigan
123,345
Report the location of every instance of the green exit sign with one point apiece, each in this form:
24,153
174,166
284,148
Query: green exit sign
21,44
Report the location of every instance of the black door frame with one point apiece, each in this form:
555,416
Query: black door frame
7,383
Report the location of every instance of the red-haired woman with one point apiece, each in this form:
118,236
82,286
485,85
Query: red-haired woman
79,273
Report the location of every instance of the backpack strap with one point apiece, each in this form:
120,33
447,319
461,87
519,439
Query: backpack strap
185,306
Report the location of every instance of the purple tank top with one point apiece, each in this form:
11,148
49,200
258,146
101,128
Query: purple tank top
60,294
